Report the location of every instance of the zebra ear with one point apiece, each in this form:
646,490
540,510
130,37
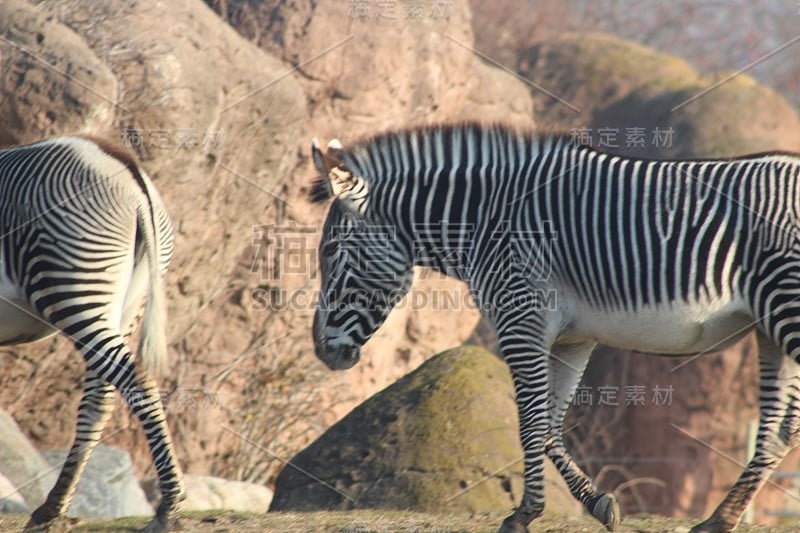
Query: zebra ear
336,180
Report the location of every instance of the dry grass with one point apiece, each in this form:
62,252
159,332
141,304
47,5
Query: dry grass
377,521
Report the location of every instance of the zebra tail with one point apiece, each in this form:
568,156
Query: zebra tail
153,338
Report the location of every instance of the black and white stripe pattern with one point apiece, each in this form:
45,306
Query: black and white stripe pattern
85,237
564,246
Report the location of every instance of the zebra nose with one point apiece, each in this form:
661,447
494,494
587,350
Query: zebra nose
346,357
338,357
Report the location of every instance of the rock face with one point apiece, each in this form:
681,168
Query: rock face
443,438
22,465
52,81
107,488
206,493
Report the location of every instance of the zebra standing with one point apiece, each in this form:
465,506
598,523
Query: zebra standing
85,237
665,257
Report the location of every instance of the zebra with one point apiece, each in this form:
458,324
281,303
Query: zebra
85,238
662,257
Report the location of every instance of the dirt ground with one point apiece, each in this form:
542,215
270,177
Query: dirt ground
379,522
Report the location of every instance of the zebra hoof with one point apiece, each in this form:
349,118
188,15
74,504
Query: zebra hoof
513,525
606,510
712,525
160,524
59,524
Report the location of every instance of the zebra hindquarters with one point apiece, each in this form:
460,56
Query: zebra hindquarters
89,307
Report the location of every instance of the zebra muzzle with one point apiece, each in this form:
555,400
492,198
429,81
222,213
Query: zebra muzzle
338,357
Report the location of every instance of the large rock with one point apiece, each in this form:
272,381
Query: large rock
107,488
442,439
51,81
23,465
612,87
206,493
360,76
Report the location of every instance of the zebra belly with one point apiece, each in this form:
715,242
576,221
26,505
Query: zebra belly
675,329
19,324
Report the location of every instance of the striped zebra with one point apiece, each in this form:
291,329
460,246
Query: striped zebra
85,237
664,257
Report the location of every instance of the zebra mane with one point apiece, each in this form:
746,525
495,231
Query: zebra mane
320,189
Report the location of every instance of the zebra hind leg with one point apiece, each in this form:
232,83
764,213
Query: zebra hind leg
94,410
778,434
115,364
567,364
142,397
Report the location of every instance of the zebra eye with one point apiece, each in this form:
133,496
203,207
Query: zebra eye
329,248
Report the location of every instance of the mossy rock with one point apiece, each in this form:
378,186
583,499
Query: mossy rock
442,439
617,85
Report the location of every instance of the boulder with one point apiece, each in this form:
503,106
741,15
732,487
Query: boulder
622,93
11,501
22,465
107,488
444,438
52,81
205,493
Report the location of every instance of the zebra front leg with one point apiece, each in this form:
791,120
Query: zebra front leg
94,410
567,364
778,434
526,355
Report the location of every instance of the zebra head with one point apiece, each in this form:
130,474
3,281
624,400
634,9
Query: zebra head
365,267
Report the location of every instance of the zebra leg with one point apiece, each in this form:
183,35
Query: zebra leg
778,433
109,356
144,400
527,355
94,410
567,364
